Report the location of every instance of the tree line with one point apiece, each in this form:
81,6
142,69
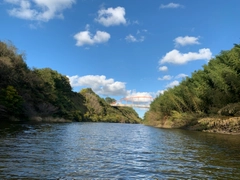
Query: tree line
27,93
212,90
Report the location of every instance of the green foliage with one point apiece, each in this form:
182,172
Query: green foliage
110,100
11,101
206,92
32,93
43,92
100,110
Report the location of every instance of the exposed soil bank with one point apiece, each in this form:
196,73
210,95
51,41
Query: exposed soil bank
223,125
229,125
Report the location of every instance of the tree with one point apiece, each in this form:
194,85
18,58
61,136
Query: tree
110,100
29,93
11,101
207,91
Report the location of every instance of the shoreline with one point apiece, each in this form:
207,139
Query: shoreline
49,119
219,125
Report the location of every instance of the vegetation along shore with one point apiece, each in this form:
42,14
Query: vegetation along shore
207,101
44,95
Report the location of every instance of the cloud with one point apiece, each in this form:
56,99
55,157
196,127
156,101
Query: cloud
140,31
163,68
179,76
86,38
135,22
172,84
131,38
100,84
171,5
111,16
167,77
138,38
187,40
140,97
175,57
87,27
160,92
39,10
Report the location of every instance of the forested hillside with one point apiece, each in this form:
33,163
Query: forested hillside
213,91
100,110
46,95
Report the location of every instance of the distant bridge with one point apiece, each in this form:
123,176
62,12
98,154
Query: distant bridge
131,105
134,101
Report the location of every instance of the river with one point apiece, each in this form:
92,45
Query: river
115,151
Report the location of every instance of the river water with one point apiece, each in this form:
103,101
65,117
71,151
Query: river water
115,151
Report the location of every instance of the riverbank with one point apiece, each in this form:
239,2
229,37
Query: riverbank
224,125
38,119
48,119
220,124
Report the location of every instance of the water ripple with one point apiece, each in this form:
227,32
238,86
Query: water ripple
115,151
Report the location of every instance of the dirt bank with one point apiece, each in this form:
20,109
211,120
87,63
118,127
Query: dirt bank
223,125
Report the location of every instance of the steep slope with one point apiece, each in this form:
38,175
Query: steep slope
100,110
213,91
46,95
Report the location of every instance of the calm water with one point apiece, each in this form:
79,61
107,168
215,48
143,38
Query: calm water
115,151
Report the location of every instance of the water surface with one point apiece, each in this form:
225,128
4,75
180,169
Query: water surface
115,151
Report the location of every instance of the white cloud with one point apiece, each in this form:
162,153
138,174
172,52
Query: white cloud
176,57
171,5
111,16
160,92
131,38
86,38
87,27
163,68
139,97
100,84
172,84
187,40
39,10
135,22
140,31
167,77
181,76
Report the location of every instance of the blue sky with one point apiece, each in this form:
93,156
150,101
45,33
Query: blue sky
121,48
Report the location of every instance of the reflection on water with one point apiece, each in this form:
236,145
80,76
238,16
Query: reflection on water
120,151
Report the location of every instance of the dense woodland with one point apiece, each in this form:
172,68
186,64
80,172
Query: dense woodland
212,91
40,94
